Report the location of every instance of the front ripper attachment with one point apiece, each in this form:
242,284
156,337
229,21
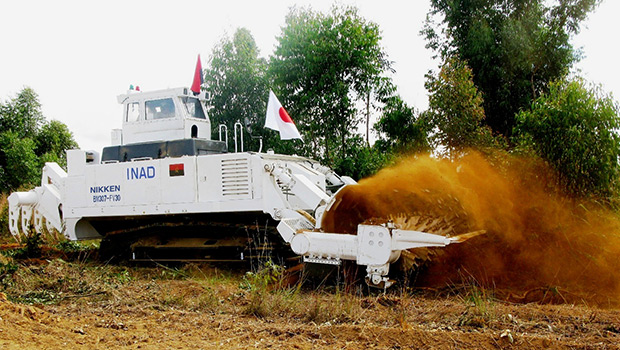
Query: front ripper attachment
376,246
43,204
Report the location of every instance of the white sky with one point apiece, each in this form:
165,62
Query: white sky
79,55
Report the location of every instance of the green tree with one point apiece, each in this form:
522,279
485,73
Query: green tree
400,130
514,47
19,164
236,81
325,67
27,141
52,141
455,109
575,128
361,161
22,114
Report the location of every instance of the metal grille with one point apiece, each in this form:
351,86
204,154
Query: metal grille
236,179
297,224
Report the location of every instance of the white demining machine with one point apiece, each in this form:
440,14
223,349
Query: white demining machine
167,191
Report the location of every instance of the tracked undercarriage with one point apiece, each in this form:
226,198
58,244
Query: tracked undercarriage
225,238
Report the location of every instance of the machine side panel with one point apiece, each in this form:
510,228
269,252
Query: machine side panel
178,179
237,179
141,183
117,184
209,175
74,194
191,184
228,178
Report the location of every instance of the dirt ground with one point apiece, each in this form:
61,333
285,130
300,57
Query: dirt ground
55,304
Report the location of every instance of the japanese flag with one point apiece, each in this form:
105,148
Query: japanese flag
278,119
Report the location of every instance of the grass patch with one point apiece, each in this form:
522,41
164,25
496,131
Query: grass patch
480,309
262,286
54,281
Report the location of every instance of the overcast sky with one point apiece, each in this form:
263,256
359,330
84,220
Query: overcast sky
79,55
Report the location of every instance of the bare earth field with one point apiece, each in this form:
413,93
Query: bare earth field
54,304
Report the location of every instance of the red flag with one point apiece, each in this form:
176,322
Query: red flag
198,78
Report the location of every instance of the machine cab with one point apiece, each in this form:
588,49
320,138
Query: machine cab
160,124
163,115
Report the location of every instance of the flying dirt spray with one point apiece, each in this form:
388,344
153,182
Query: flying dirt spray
538,246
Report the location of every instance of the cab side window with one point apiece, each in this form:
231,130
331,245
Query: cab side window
193,107
133,112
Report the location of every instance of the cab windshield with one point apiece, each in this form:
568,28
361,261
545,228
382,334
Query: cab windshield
193,107
160,109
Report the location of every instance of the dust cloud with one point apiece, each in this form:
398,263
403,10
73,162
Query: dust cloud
539,245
